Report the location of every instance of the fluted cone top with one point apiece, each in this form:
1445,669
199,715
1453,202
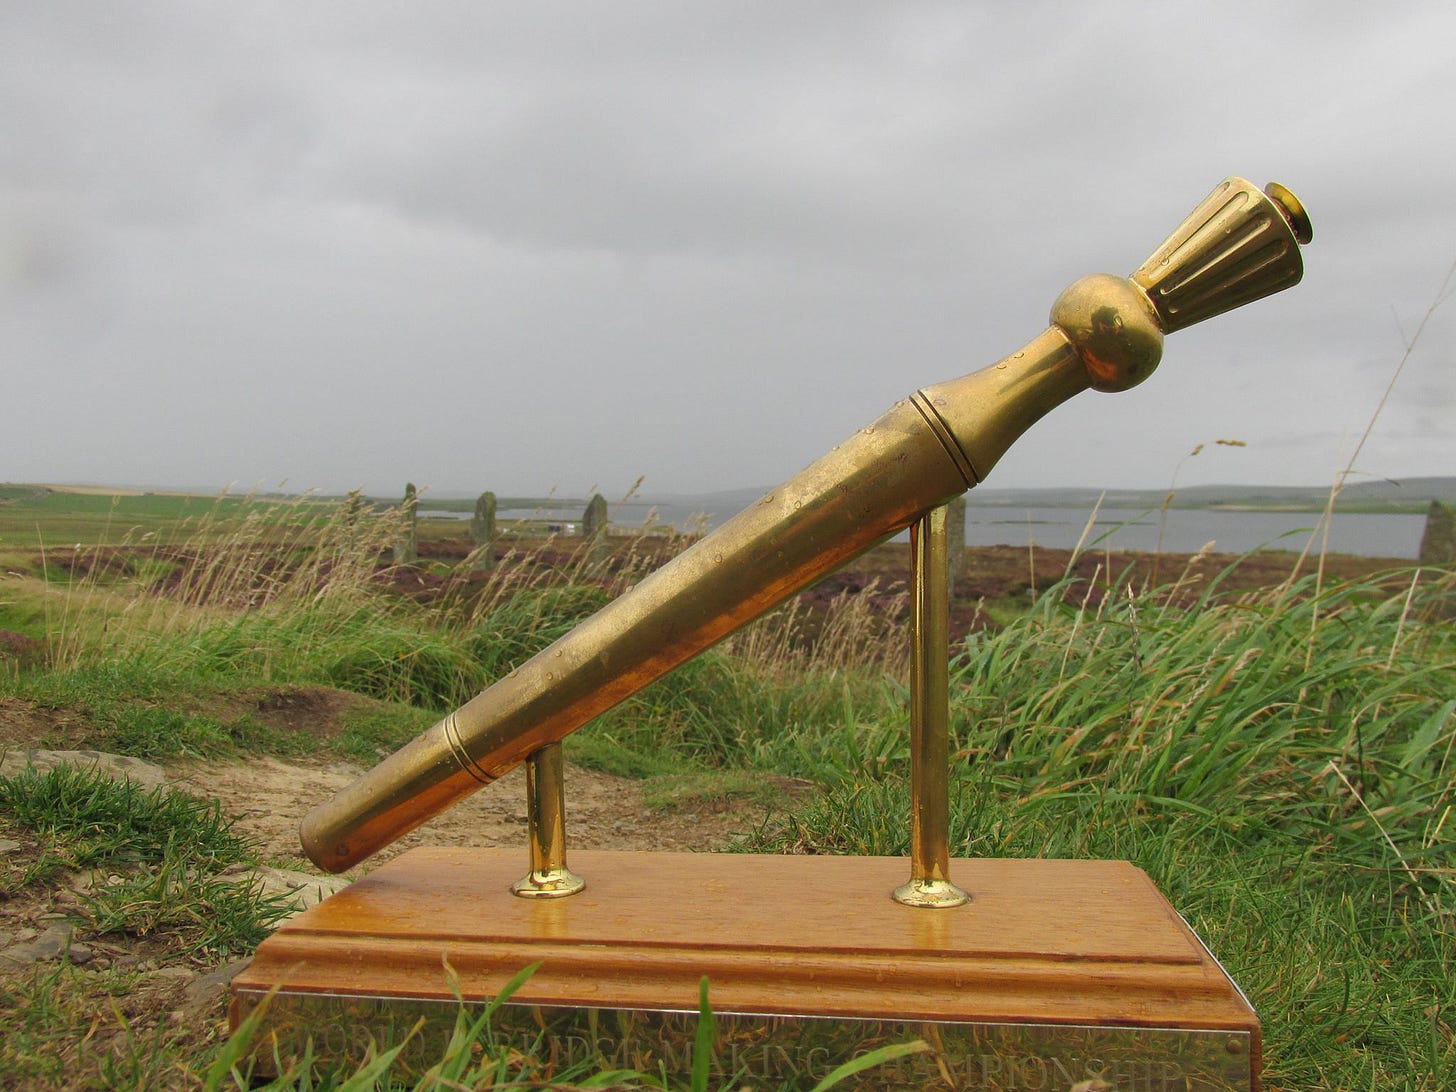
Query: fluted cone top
1239,245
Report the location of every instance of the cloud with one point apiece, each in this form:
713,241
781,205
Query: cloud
522,247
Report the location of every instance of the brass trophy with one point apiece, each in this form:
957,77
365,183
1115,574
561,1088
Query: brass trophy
802,951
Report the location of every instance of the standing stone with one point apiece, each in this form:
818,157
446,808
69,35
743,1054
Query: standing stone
482,533
594,525
406,547
955,540
1438,544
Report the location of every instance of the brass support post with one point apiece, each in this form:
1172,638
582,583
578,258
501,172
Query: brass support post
930,719
549,877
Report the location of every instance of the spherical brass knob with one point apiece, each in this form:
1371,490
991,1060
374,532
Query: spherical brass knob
1113,328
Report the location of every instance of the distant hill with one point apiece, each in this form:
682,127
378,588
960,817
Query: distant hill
1409,495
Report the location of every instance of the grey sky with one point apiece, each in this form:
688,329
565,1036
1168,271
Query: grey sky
521,247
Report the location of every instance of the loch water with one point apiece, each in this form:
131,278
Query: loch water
1178,531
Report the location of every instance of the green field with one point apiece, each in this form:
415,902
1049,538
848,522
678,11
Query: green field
1280,760
37,516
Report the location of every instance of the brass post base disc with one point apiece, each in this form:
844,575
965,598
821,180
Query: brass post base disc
555,883
930,894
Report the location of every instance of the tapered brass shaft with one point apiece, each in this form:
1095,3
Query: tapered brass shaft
1106,333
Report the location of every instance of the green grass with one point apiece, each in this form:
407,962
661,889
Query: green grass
132,709
30,518
66,1027
136,710
667,791
99,681
158,865
23,618
1281,761
92,819
372,734
164,852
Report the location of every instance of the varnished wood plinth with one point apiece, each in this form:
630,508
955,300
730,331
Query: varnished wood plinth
1043,942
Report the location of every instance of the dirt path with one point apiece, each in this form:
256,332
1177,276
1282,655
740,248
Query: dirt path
270,796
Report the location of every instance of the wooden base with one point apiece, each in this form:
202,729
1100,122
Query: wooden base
1042,942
